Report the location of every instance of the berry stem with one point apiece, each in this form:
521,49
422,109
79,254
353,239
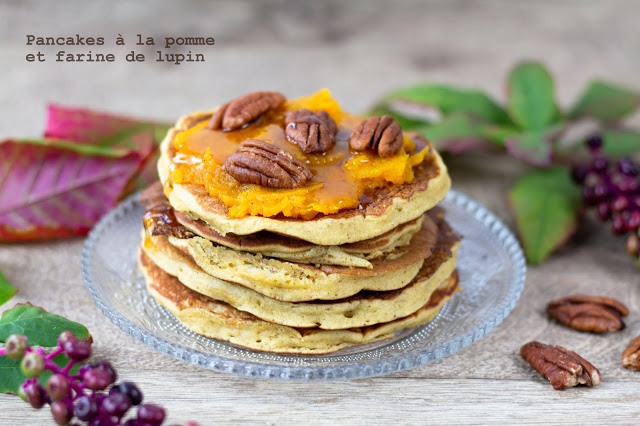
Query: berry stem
52,366
69,366
55,353
79,389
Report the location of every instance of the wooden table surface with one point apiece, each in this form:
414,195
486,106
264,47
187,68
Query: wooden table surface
358,50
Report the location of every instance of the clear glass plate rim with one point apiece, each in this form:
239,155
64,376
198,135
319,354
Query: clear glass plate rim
361,369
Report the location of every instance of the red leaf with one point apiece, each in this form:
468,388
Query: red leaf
83,125
50,191
92,127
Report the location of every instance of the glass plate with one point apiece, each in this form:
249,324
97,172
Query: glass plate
492,273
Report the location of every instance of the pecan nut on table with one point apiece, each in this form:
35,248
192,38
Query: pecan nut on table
314,132
589,313
380,134
262,163
563,368
631,355
245,109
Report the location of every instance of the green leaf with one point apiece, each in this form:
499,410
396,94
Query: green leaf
160,131
405,122
41,327
456,133
606,102
11,377
84,149
6,290
530,96
499,134
115,145
534,147
620,142
126,136
545,204
449,100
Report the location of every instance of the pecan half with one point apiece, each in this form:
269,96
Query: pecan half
314,132
631,355
381,134
589,313
563,368
244,109
262,163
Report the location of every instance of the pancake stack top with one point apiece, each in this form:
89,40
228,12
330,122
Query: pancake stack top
288,225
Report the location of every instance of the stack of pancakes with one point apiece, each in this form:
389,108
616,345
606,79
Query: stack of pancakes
294,285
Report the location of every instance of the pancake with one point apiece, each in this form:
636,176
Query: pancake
295,250
291,281
359,254
218,320
362,309
389,207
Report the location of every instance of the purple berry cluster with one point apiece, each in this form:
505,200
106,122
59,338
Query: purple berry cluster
612,188
91,396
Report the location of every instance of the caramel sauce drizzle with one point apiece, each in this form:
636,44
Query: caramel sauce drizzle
326,167
163,215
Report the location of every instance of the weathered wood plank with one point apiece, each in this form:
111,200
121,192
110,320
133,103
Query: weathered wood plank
227,400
